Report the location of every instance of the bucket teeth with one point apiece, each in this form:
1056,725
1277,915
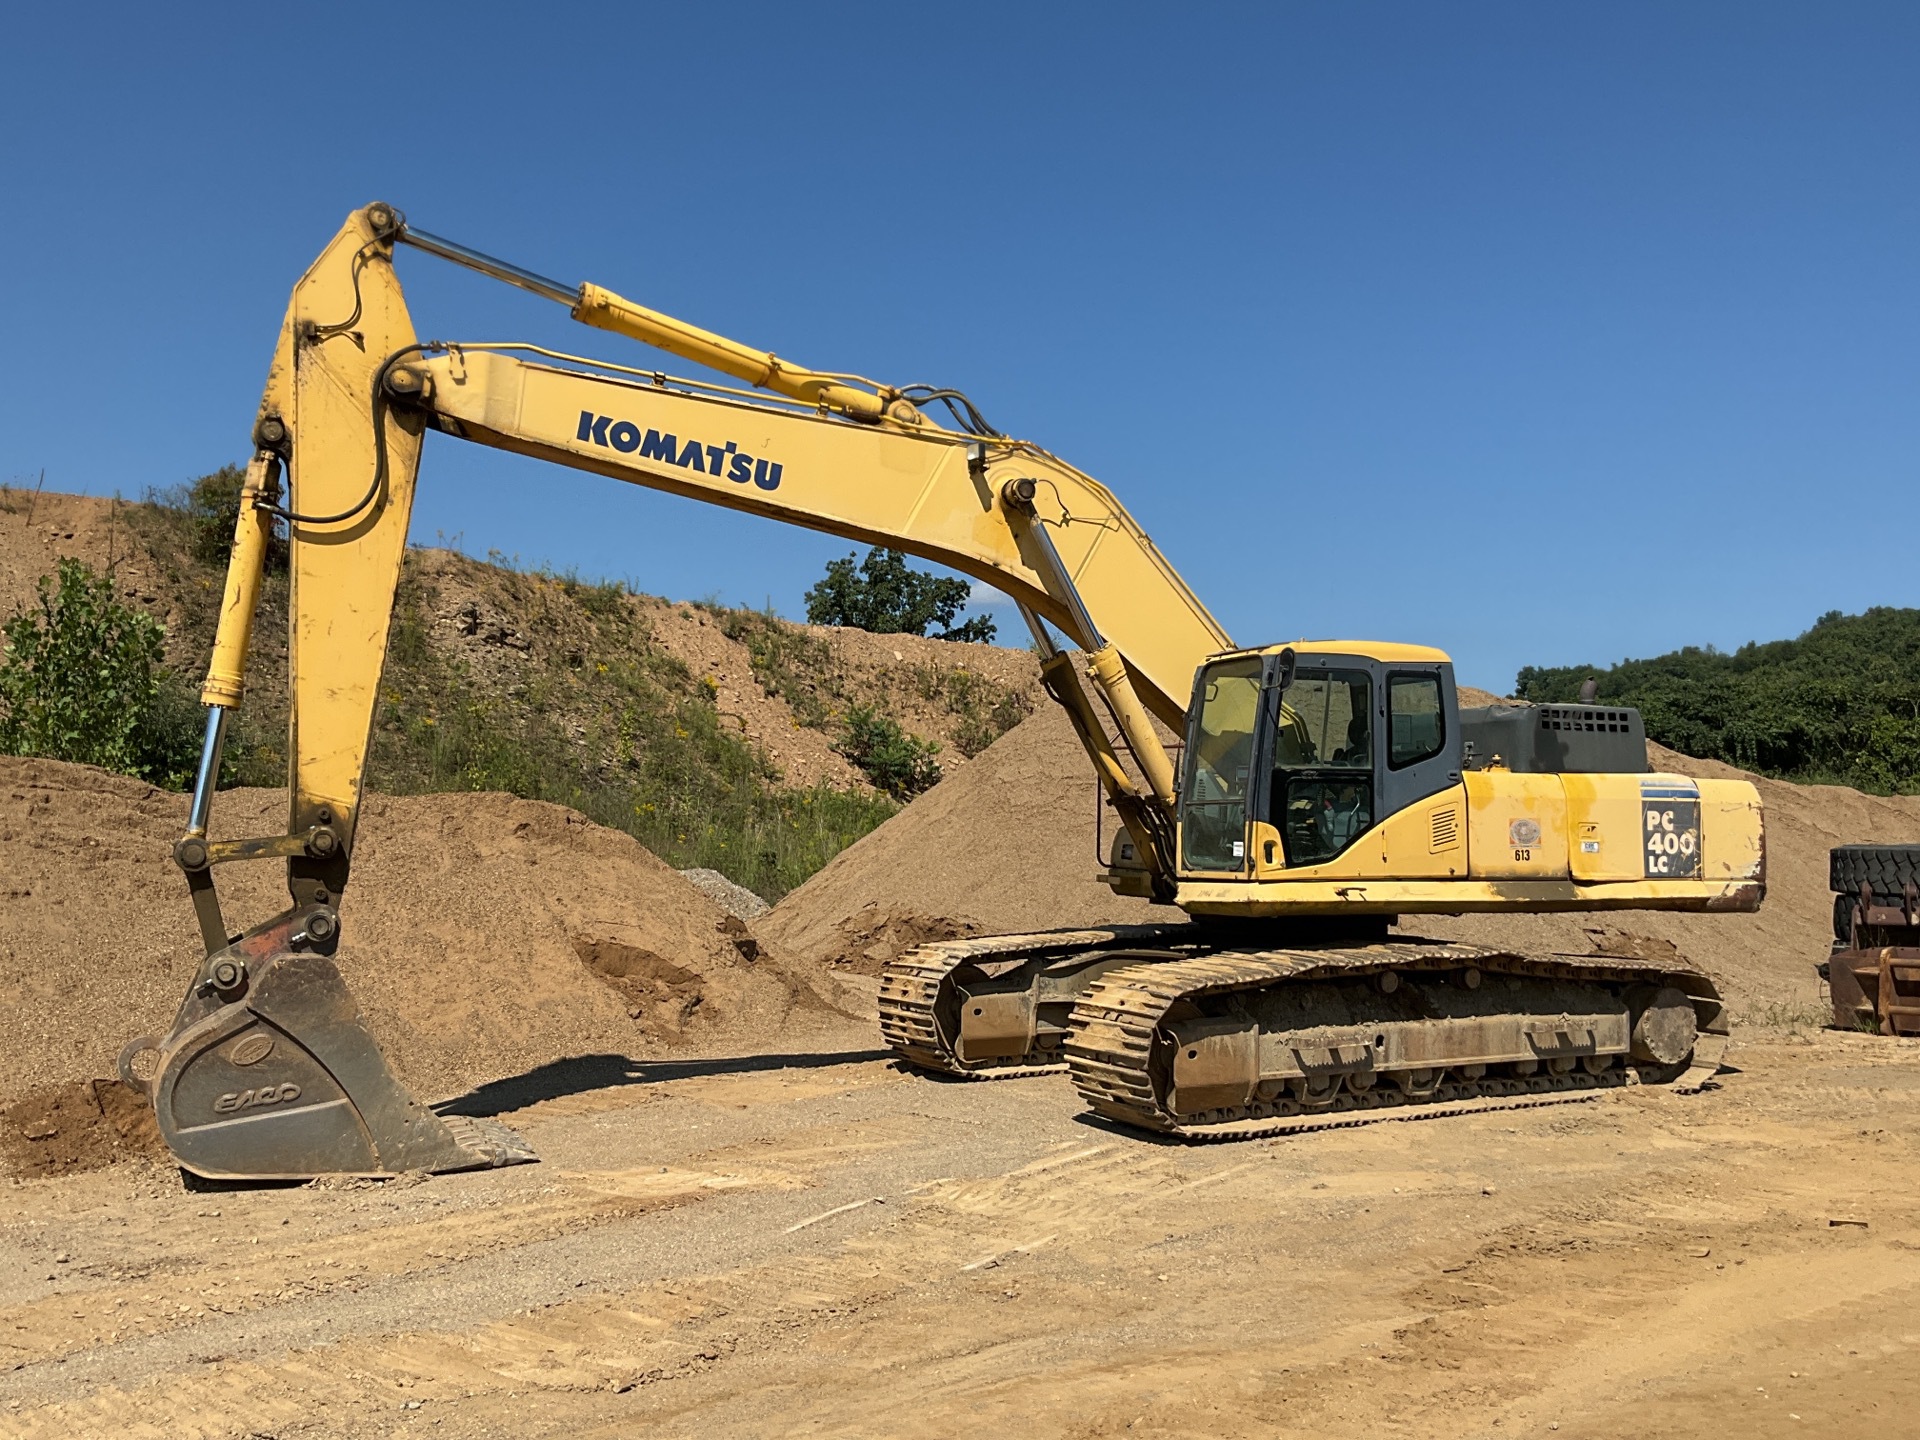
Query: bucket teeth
489,1138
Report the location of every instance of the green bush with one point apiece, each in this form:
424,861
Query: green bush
82,680
787,663
887,596
984,709
212,506
899,764
1839,704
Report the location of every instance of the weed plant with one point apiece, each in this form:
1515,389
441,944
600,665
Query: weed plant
82,679
899,764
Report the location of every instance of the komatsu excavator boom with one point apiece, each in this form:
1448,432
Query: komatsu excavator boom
1326,787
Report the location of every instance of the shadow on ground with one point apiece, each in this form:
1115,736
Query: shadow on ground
605,1072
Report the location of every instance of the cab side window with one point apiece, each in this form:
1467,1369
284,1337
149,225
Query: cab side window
1416,727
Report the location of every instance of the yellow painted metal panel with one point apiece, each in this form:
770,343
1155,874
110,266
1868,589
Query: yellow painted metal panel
908,487
1269,859
1428,839
1733,833
344,573
1387,651
1603,813
1516,825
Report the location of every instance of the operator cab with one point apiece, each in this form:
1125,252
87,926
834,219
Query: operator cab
1319,740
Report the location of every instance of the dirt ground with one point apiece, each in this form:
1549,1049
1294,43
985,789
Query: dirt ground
1006,844
813,1242
747,1221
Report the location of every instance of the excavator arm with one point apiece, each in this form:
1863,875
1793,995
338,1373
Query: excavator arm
350,394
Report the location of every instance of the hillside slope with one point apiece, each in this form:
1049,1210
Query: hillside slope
709,734
1008,846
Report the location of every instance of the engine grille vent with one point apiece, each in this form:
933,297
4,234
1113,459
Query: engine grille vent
1586,717
1446,829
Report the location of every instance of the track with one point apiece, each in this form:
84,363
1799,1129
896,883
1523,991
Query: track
913,988
1110,1049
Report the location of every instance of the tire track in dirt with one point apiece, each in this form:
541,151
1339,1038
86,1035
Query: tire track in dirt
1514,1269
235,1279
621,1343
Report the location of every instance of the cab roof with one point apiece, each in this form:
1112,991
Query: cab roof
1386,651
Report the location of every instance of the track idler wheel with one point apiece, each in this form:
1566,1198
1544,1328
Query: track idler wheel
271,1073
1664,1027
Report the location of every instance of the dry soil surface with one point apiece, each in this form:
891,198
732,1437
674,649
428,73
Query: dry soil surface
484,936
813,1242
37,531
1008,845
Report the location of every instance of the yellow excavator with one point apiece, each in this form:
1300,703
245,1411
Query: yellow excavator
1322,789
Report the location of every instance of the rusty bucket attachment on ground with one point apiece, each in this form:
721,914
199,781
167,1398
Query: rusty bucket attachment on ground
1873,973
270,1073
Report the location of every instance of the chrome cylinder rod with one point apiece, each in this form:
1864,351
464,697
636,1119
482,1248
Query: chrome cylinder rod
568,295
208,774
1065,589
1042,637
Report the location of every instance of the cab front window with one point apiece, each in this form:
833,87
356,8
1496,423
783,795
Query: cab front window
1213,811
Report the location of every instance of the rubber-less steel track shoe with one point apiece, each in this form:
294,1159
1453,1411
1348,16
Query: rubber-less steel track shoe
1243,1043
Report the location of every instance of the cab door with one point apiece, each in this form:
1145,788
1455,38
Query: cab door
1318,788
1219,775
1360,772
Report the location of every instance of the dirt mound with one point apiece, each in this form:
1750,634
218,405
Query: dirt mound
1765,961
61,1129
1004,844
867,939
484,935
38,531
1007,844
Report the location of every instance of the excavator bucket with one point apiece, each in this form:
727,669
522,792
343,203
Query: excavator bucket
270,1073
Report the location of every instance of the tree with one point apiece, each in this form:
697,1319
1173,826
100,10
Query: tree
82,680
885,595
1839,704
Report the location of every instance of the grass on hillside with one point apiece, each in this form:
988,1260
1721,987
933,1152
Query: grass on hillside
799,668
598,717
618,729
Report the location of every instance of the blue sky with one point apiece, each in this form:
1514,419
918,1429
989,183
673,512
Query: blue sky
1544,333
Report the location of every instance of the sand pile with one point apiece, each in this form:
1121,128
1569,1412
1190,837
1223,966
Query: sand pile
484,935
1008,845
1765,961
